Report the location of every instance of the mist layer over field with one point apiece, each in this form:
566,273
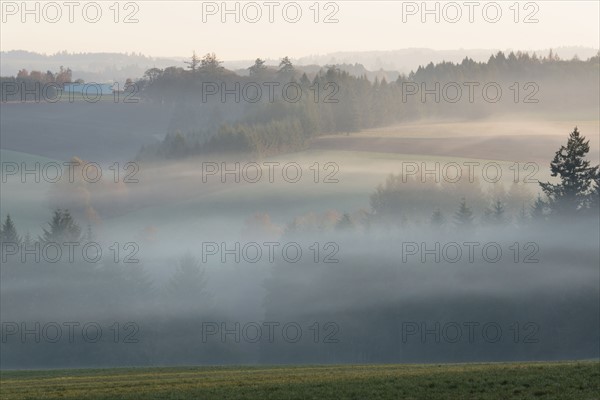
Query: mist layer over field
375,229
200,266
375,295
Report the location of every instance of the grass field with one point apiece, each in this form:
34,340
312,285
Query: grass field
556,380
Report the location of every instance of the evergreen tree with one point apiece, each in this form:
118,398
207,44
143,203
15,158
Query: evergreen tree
595,196
572,193
258,68
27,241
286,68
497,213
464,216
437,218
188,280
210,63
523,217
538,209
62,228
9,232
193,63
345,223
304,81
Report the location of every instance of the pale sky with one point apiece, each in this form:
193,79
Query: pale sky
175,28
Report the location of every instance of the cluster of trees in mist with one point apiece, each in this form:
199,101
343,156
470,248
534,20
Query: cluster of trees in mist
464,205
90,271
575,193
334,101
34,84
367,295
62,76
61,228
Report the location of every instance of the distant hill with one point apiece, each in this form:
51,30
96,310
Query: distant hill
406,60
117,67
91,67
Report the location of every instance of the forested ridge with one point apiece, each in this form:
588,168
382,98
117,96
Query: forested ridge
276,110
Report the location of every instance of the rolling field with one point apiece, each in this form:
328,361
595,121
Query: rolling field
564,380
102,132
519,140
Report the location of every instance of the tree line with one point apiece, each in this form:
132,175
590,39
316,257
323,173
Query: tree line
334,101
574,193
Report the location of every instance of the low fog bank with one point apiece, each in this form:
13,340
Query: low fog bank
382,294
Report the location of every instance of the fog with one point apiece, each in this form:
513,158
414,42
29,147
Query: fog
196,250
392,225
368,291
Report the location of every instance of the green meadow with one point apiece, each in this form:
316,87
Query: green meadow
527,380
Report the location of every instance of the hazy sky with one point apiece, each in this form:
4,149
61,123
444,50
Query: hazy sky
175,28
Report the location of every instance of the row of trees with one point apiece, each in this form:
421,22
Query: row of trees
187,279
61,228
577,191
62,76
35,84
404,202
334,101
